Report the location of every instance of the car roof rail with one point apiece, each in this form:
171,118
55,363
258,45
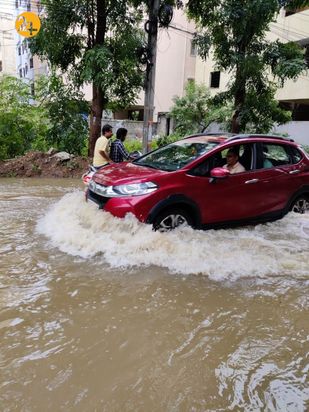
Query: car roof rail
246,136
227,134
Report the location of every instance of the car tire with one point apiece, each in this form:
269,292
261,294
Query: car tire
171,218
300,205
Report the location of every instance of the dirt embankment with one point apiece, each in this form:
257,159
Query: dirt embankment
39,164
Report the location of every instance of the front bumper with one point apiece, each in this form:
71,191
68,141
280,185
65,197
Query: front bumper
117,206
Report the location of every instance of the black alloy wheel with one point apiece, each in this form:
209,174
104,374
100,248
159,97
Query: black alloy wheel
172,218
301,205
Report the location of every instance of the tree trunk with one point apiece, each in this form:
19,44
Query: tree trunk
98,101
95,118
235,122
239,100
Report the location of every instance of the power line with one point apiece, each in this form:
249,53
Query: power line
182,30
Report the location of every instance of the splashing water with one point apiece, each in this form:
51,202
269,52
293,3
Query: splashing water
80,229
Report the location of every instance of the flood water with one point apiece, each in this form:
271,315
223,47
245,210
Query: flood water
102,314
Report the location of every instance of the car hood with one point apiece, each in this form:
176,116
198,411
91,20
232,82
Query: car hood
123,173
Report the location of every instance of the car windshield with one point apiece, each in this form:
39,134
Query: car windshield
175,155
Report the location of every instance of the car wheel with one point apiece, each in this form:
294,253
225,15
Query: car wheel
300,205
172,218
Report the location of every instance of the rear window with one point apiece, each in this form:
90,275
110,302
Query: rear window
305,148
296,155
275,155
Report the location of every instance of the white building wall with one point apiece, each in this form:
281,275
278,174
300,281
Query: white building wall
28,67
286,28
297,130
293,28
175,64
7,42
23,54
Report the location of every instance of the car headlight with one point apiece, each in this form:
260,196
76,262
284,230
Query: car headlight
134,189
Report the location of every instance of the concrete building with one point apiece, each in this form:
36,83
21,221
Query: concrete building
7,42
175,65
28,67
291,25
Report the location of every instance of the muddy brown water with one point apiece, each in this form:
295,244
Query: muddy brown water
102,314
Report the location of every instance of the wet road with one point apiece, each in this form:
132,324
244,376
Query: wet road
102,314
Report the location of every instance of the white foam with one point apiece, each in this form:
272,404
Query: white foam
80,229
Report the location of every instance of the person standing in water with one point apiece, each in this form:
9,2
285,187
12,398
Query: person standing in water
101,156
118,152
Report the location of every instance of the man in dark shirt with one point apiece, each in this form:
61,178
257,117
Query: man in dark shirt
118,153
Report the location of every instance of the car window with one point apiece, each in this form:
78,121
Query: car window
203,169
274,155
245,155
295,154
219,159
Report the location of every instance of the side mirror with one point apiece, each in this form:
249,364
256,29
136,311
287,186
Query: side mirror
219,173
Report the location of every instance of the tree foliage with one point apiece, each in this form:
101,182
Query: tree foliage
236,31
57,117
67,112
97,42
195,111
21,122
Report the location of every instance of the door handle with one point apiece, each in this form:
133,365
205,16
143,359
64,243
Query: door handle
294,172
250,182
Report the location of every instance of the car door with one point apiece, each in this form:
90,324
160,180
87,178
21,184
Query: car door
237,197
279,174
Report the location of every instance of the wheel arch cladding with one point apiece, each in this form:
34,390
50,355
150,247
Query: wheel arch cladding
179,201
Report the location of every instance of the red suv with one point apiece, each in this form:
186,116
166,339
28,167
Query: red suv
188,182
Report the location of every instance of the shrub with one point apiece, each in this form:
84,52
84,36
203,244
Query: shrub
21,122
132,145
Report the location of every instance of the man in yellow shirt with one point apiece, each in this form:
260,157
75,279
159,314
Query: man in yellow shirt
101,156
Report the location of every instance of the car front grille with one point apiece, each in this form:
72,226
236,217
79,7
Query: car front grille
98,199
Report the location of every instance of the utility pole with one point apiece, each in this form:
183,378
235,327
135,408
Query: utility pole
152,28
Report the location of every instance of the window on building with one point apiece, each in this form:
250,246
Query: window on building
31,62
215,79
32,89
193,49
16,4
20,73
26,68
0,65
28,6
39,6
19,51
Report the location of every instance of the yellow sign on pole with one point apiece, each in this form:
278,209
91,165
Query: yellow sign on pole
28,24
